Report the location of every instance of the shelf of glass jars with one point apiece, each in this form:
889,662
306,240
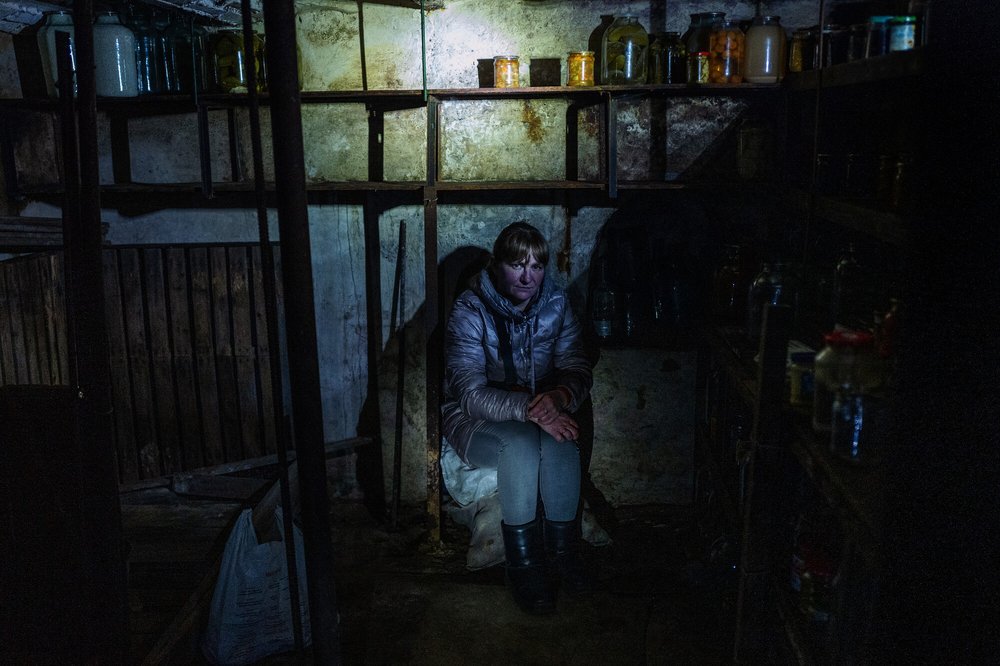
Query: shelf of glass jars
888,67
882,225
853,490
850,488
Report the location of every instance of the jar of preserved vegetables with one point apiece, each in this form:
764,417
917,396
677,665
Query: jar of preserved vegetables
801,53
674,58
699,67
506,71
765,54
580,68
726,46
624,55
656,53
232,61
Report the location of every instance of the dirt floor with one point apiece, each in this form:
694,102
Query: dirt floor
664,594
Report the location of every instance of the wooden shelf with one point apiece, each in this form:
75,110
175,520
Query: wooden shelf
879,224
889,67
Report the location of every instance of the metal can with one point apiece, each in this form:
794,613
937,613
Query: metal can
902,33
505,71
698,67
580,68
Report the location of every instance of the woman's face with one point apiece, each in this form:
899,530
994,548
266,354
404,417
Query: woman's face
520,281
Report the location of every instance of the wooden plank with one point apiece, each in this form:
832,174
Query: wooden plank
204,356
8,370
161,362
57,316
27,284
45,279
268,418
121,394
133,310
179,314
244,354
16,315
219,486
225,365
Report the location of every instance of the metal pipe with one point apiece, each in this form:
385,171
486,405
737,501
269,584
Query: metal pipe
300,323
273,341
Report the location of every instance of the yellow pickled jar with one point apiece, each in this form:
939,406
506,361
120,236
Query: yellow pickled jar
580,68
726,45
505,71
231,61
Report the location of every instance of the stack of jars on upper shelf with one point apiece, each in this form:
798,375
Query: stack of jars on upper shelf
834,43
713,49
150,52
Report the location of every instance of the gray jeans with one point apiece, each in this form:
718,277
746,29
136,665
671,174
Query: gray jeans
529,462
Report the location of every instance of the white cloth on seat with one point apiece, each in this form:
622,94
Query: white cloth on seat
477,507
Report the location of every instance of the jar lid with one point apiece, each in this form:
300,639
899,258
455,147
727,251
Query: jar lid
505,57
878,19
581,53
766,20
903,19
701,53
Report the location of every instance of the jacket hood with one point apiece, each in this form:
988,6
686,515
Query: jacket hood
500,304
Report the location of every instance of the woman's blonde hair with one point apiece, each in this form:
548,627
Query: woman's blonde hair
517,241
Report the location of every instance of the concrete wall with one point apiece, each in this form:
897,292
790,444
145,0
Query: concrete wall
481,140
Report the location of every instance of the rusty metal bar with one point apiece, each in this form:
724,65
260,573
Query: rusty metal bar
300,321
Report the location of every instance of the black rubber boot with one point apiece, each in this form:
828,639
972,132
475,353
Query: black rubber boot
562,546
526,567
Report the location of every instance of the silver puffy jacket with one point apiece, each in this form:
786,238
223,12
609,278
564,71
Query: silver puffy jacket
547,352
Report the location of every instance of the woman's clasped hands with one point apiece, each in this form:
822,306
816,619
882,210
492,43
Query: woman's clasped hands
546,409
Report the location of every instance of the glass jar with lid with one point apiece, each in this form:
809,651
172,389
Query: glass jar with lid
727,49
838,364
878,36
902,33
624,55
835,39
114,58
232,61
765,51
696,37
801,52
674,58
656,54
506,71
580,68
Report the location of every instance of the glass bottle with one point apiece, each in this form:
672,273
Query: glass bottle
656,55
772,286
115,68
765,51
602,310
730,288
847,307
624,52
56,22
165,56
148,75
187,55
674,58
727,47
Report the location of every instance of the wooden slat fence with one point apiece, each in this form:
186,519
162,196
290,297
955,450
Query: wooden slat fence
190,362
